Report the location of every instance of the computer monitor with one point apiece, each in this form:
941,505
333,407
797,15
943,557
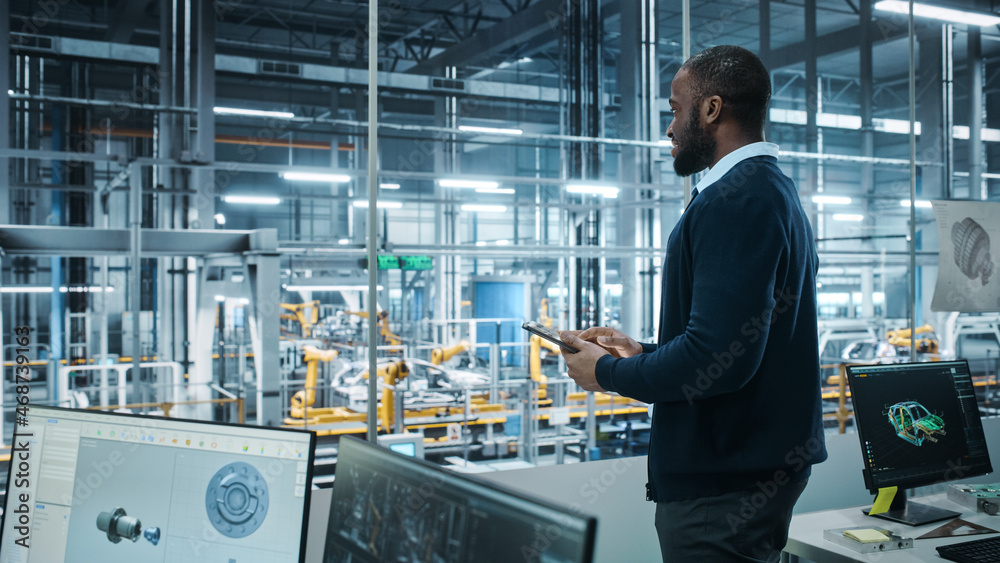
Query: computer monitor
409,444
94,486
391,507
918,425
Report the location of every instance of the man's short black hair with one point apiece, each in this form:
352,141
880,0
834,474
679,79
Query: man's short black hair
738,77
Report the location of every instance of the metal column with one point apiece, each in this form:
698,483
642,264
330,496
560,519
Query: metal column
265,285
640,120
177,319
372,419
974,63
585,118
764,45
866,95
204,141
933,110
135,275
5,117
812,182
812,102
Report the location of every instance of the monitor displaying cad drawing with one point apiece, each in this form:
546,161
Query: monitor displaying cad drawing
92,486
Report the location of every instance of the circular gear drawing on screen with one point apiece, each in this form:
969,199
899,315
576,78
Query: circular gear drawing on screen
972,249
237,499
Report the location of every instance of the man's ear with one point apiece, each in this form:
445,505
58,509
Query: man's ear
711,108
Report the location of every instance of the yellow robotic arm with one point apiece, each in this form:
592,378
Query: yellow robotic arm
311,356
391,374
535,345
306,313
441,355
901,338
383,323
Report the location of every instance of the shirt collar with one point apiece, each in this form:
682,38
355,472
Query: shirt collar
727,162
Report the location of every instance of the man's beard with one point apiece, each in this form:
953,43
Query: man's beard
696,150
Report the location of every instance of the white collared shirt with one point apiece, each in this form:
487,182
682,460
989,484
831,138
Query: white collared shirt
727,162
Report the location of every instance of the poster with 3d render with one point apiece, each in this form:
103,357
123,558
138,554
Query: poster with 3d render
968,279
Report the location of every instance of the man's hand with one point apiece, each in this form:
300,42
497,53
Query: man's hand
620,345
581,365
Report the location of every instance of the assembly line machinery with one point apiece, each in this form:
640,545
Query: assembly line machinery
452,407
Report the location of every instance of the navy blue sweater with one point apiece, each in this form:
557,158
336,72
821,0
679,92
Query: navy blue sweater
735,373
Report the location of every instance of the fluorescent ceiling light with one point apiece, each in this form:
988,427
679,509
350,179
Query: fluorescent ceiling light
329,288
316,177
220,298
606,191
484,208
363,203
496,130
922,203
831,199
344,241
10,92
901,126
25,289
254,112
853,122
389,186
503,242
474,184
506,64
220,218
669,143
252,199
848,217
48,289
480,243
495,191
920,9
86,289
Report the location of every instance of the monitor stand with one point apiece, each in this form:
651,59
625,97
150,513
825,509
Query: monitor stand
913,513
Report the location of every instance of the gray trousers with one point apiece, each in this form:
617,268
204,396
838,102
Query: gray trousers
743,526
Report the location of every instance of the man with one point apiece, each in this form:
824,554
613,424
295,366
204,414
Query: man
734,376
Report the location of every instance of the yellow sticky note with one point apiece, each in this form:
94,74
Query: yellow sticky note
866,535
883,500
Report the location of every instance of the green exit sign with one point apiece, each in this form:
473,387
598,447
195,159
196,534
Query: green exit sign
415,263
385,262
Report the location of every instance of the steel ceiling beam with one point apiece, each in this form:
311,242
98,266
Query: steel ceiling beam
87,241
521,27
123,21
832,43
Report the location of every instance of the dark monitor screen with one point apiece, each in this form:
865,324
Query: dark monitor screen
390,507
918,424
95,486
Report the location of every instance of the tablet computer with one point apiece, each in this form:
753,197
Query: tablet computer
548,334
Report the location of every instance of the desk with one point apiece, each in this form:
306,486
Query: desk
805,535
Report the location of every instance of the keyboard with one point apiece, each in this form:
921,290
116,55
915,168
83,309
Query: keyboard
975,551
